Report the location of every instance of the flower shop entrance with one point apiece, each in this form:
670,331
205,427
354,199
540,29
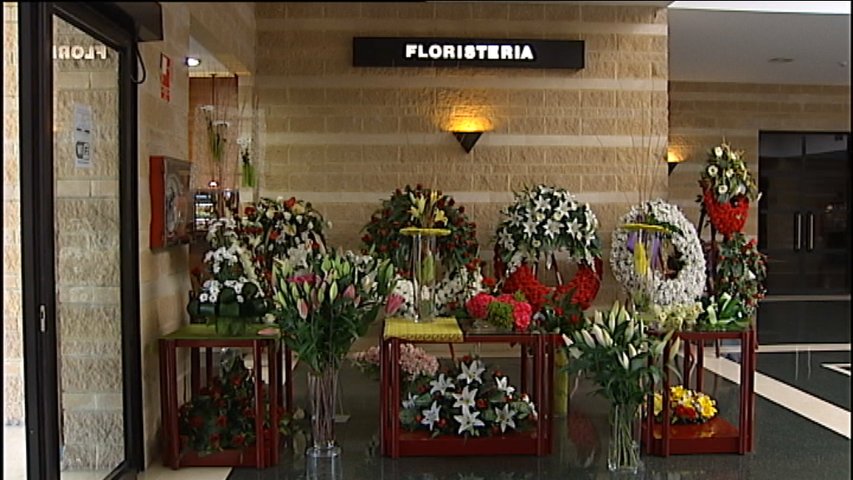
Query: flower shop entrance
79,242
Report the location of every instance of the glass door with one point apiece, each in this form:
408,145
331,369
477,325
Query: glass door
87,255
803,213
79,243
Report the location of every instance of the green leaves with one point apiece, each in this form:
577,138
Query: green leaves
613,351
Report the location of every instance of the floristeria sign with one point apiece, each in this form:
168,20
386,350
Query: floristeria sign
467,52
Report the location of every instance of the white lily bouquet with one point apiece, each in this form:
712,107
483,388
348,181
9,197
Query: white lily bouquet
467,399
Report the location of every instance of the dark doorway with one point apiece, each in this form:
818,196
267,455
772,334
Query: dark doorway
803,224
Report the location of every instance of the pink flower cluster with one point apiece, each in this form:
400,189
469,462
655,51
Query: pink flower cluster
414,361
478,307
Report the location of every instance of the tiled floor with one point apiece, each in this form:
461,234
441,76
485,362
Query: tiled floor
802,420
787,445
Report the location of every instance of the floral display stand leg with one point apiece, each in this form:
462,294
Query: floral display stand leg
265,452
716,435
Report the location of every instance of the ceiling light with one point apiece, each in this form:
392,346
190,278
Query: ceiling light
781,60
192,61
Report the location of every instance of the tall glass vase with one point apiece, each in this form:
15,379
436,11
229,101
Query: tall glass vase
623,454
561,384
322,391
424,264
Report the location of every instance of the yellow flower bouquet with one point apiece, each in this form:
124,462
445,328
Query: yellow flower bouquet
686,406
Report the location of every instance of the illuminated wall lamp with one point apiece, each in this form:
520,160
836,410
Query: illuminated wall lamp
672,161
467,130
192,61
467,139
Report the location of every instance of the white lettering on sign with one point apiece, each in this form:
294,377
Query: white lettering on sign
434,51
79,52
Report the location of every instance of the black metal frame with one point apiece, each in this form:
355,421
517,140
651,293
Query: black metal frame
37,227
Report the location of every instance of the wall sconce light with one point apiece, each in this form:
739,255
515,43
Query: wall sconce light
467,139
467,130
192,61
672,161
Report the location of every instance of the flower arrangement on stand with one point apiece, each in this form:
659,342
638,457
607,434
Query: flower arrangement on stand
504,312
741,271
222,415
686,406
613,350
408,207
723,313
231,297
737,270
542,222
323,306
727,188
467,399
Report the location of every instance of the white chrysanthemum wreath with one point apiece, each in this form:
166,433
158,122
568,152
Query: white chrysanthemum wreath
656,255
544,220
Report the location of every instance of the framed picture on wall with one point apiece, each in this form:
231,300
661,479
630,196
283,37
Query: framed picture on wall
171,202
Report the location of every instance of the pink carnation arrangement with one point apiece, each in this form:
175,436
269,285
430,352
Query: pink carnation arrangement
414,362
479,308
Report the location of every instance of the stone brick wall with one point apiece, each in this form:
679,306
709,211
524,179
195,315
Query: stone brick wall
345,137
701,114
163,130
13,343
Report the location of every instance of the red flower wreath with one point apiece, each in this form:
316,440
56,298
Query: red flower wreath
728,217
585,283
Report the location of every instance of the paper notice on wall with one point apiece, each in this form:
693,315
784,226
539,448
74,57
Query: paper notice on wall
82,135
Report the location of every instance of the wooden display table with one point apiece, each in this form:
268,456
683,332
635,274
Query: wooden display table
717,435
265,451
397,443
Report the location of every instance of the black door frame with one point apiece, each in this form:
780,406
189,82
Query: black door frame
117,31
803,134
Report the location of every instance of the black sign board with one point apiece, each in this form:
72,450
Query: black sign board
466,52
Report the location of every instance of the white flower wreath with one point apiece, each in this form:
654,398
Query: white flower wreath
545,220
689,281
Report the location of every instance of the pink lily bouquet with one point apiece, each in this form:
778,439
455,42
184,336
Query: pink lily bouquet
324,307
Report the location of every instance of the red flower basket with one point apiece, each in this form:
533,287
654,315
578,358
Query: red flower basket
727,218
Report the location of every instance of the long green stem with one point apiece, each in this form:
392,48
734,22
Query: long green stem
624,452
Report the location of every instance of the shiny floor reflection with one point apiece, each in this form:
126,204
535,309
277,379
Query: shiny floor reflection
786,446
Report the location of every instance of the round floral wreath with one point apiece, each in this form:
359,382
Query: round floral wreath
688,282
545,220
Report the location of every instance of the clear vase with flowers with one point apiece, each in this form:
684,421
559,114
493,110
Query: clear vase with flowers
322,307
